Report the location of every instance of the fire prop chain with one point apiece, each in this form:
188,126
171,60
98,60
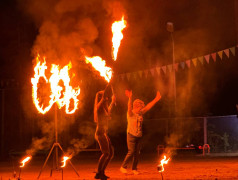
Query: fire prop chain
62,98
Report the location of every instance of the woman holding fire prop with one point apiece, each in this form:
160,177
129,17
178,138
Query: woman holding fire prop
134,129
102,113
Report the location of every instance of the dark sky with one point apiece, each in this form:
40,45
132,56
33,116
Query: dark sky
58,29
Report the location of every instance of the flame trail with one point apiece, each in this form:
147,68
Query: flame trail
162,162
100,65
65,158
25,160
117,28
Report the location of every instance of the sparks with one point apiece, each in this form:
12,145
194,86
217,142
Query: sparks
25,160
117,28
100,66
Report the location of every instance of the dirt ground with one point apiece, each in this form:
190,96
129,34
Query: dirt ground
180,167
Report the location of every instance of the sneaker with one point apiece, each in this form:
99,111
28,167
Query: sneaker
135,172
123,170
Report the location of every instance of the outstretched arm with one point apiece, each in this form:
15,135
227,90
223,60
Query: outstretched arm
112,103
129,108
152,103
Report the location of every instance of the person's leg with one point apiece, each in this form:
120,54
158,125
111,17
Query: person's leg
131,150
103,143
110,154
136,154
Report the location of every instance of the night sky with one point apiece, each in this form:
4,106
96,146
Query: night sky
58,29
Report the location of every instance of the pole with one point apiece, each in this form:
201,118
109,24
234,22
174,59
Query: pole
205,129
2,124
174,75
56,137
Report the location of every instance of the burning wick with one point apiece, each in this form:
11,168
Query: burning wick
65,158
23,164
25,160
160,167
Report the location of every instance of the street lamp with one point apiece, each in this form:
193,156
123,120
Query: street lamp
170,29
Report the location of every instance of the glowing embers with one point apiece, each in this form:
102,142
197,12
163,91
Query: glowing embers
117,28
56,89
25,160
160,167
100,65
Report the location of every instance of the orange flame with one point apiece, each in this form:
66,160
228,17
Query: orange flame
65,158
100,65
117,28
56,89
25,160
162,162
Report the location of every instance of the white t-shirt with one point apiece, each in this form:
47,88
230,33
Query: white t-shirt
134,126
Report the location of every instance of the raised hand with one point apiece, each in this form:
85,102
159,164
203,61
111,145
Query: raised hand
128,93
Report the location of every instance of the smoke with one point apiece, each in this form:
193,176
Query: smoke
86,131
47,129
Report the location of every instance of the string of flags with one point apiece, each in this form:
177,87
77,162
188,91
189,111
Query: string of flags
187,63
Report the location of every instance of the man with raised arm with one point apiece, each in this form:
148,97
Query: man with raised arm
134,129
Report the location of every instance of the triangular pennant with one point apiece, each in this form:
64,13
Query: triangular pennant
134,74
207,57
194,60
158,70
164,69
226,51
176,66
152,71
128,75
220,54
214,56
146,73
200,59
188,63
233,51
140,73
182,64
170,67
122,76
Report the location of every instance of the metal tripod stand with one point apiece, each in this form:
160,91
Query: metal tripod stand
56,145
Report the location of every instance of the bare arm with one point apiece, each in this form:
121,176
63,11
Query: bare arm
112,103
129,106
152,103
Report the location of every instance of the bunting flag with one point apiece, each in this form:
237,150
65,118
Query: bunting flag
214,55
207,57
140,73
170,67
194,60
182,64
220,54
233,51
152,71
146,73
175,66
158,70
164,69
188,63
200,59
128,75
226,51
